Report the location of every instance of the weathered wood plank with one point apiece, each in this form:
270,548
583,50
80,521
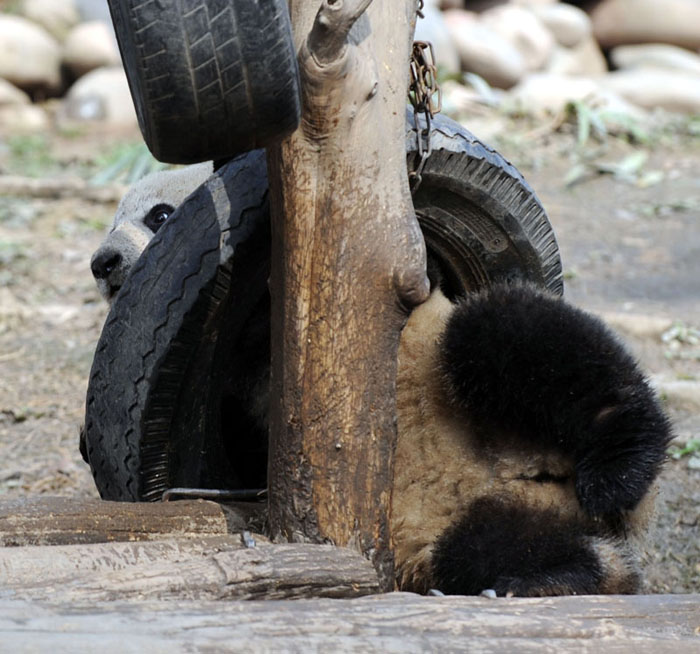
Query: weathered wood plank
217,567
64,521
397,622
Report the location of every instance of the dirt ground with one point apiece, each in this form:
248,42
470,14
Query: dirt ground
630,242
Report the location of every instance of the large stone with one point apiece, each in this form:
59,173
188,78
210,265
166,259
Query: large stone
30,57
88,46
56,16
28,118
484,52
655,55
101,95
548,93
569,25
11,95
93,10
652,88
621,22
585,58
521,28
432,28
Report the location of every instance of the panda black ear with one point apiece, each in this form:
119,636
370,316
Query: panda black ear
158,214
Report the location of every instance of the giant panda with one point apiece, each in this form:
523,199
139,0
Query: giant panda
528,447
142,211
528,440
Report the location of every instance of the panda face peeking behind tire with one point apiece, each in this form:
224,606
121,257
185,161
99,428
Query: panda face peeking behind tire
528,444
142,211
528,447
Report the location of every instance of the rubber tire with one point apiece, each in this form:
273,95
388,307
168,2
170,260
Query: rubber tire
209,78
183,326
481,220
152,409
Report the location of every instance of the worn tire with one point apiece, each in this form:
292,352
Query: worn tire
481,221
152,409
209,78
184,331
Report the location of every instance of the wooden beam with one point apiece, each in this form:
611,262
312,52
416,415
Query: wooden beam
64,521
397,622
203,568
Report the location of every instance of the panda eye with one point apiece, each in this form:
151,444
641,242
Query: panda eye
157,216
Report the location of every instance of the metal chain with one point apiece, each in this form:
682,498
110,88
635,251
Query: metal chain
426,98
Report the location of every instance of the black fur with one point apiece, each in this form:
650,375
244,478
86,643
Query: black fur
521,361
517,550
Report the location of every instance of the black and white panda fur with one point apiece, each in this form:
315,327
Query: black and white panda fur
529,443
140,213
528,446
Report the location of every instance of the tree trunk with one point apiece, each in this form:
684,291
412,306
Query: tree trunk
348,263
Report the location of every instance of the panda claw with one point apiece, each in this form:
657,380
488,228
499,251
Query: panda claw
489,593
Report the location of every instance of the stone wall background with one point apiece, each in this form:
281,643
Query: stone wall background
627,56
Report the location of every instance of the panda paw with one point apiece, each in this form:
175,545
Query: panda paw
619,465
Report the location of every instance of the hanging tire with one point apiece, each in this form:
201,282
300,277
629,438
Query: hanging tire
209,78
481,221
178,381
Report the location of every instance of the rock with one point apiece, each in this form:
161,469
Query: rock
568,24
102,94
585,59
31,57
521,28
637,324
484,52
621,22
10,94
56,16
679,394
88,46
652,88
23,118
655,55
94,10
473,5
432,28
548,93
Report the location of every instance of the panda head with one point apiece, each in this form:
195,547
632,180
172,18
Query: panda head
141,213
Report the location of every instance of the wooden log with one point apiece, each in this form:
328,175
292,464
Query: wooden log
218,567
60,187
348,264
64,521
397,622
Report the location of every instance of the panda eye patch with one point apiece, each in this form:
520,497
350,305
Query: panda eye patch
157,216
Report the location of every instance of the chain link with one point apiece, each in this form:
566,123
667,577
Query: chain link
426,98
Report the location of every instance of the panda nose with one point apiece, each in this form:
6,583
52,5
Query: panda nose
104,263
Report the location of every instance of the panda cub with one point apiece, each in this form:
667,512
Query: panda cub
529,442
144,208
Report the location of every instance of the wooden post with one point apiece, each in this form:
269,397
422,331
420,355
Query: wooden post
348,263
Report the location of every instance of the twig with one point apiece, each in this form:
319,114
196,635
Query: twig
59,187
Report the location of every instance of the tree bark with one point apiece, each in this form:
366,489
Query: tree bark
348,263
202,568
